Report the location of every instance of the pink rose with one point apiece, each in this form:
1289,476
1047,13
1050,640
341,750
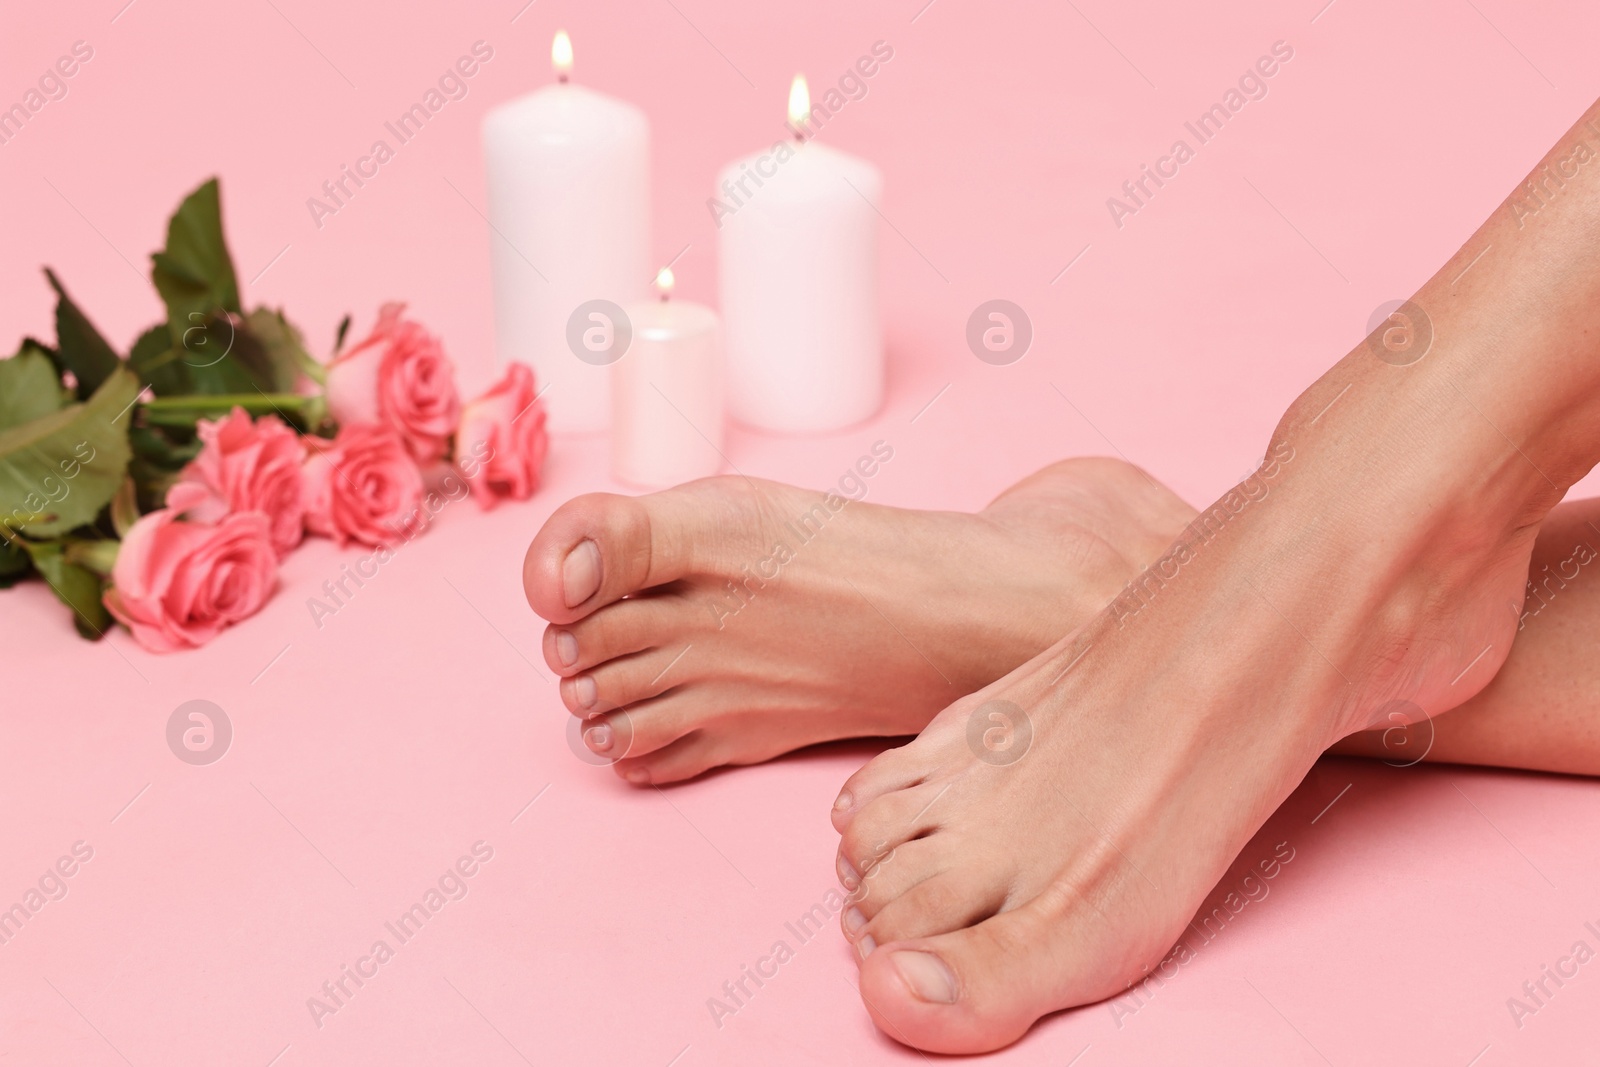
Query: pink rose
399,376
248,466
501,442
178,584
361,486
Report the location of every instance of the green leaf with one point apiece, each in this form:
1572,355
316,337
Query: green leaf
57,472
79,346
29,385
284,349
15,563
75,586
156,362
194,273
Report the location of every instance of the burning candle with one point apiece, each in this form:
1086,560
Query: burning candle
798,235
667,393
569,213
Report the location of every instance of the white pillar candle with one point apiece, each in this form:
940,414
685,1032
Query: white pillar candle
569,199
798,235
667,394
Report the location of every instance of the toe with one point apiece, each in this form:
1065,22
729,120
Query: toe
686,757
600,547
650,725
895,769
938,903
979,988
889,821
620,629
626,680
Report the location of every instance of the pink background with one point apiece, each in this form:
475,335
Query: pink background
370,753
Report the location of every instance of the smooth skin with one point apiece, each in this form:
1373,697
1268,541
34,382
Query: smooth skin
1375,578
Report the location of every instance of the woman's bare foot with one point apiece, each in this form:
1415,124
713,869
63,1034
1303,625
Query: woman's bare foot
1381,569
730,620
1045,840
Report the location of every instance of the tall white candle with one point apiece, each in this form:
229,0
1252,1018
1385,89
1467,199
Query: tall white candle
569,210
667,394
798,236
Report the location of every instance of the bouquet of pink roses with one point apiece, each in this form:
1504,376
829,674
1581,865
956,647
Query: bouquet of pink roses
162,489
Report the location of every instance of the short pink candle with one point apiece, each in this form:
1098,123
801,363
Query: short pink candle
667,394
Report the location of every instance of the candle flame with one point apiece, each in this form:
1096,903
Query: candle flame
561,54
665,282
799,103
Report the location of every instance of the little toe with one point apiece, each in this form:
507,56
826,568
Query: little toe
688,756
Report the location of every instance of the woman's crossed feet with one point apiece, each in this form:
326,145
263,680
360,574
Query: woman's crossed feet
730,620
1045,840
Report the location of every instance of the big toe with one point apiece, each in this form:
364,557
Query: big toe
973,990
600,547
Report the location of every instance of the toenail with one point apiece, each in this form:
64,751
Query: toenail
584,691
853,922
566,648
848,877
844,801
580,573
599,738
927,976
866,945
637,775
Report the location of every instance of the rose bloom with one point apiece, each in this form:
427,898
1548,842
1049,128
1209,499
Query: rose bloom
249,466
361,486
178,584
501,442
398,376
